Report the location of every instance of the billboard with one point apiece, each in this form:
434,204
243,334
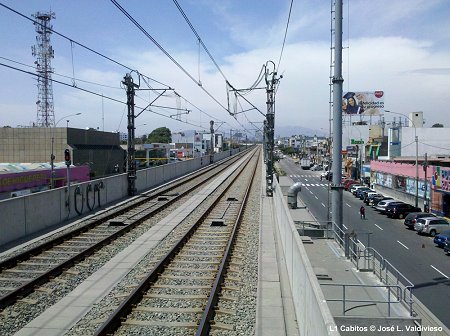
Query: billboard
368,103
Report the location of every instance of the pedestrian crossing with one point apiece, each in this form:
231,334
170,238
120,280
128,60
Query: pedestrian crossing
305,184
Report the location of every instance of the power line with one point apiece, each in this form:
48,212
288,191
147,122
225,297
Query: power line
62,83
64,76
214,61
166,52
96,94
199,38
78,43
285,34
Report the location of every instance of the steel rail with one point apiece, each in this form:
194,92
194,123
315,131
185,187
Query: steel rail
13,261
115,319
208,313
28,287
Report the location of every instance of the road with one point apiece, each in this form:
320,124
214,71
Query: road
416,257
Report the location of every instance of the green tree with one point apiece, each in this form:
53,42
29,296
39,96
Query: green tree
160,135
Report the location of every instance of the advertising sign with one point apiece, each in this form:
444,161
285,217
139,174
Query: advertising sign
368,103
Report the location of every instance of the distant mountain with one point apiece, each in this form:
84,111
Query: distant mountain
285,131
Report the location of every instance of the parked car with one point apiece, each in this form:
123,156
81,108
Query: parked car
400,210
362,194
431,225
447,247
412,217
442,238
355,189
349,183
378,199
381,206
370,196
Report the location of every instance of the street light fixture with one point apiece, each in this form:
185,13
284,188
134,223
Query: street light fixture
52,156
417,156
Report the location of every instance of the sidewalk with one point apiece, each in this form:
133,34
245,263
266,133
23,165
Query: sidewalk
333,270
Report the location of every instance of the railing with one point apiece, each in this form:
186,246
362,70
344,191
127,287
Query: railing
367,259
345,300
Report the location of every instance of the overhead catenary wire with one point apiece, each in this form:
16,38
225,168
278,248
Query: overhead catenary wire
200,41
285,34
97,94
78,43
64,76
166,53
72,41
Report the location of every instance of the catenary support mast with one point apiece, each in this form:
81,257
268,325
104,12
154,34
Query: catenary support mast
336,204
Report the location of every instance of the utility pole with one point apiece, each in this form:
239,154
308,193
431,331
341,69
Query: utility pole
336,188
271,82
426,206
211,150
131,162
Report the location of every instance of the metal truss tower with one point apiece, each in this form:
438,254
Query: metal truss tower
44,52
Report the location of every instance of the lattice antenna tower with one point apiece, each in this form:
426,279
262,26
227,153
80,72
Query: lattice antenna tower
43,51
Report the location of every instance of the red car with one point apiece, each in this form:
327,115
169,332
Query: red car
349,183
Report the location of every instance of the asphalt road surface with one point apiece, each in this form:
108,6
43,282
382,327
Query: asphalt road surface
415,256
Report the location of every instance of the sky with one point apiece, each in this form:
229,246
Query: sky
401,47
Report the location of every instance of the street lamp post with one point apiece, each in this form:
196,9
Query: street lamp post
416,139
52,155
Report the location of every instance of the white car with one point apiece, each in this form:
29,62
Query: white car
381,206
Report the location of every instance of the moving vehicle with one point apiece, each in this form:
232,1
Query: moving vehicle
305,163
323,175
412,217
400,210
431,225
442,238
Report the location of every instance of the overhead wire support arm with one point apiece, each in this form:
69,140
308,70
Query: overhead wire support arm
240,95
145,108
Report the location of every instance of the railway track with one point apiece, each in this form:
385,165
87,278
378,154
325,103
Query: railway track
22,273
181,293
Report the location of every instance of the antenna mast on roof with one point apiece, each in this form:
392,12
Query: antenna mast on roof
44,52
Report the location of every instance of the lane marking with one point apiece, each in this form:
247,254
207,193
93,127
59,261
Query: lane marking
378,227
406,247
311,192
440,272
316,197
323,205
306,179
348,205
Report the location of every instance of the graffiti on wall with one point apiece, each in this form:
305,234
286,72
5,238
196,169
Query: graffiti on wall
441,178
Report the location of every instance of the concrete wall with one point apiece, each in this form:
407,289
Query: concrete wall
311,309
27,215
